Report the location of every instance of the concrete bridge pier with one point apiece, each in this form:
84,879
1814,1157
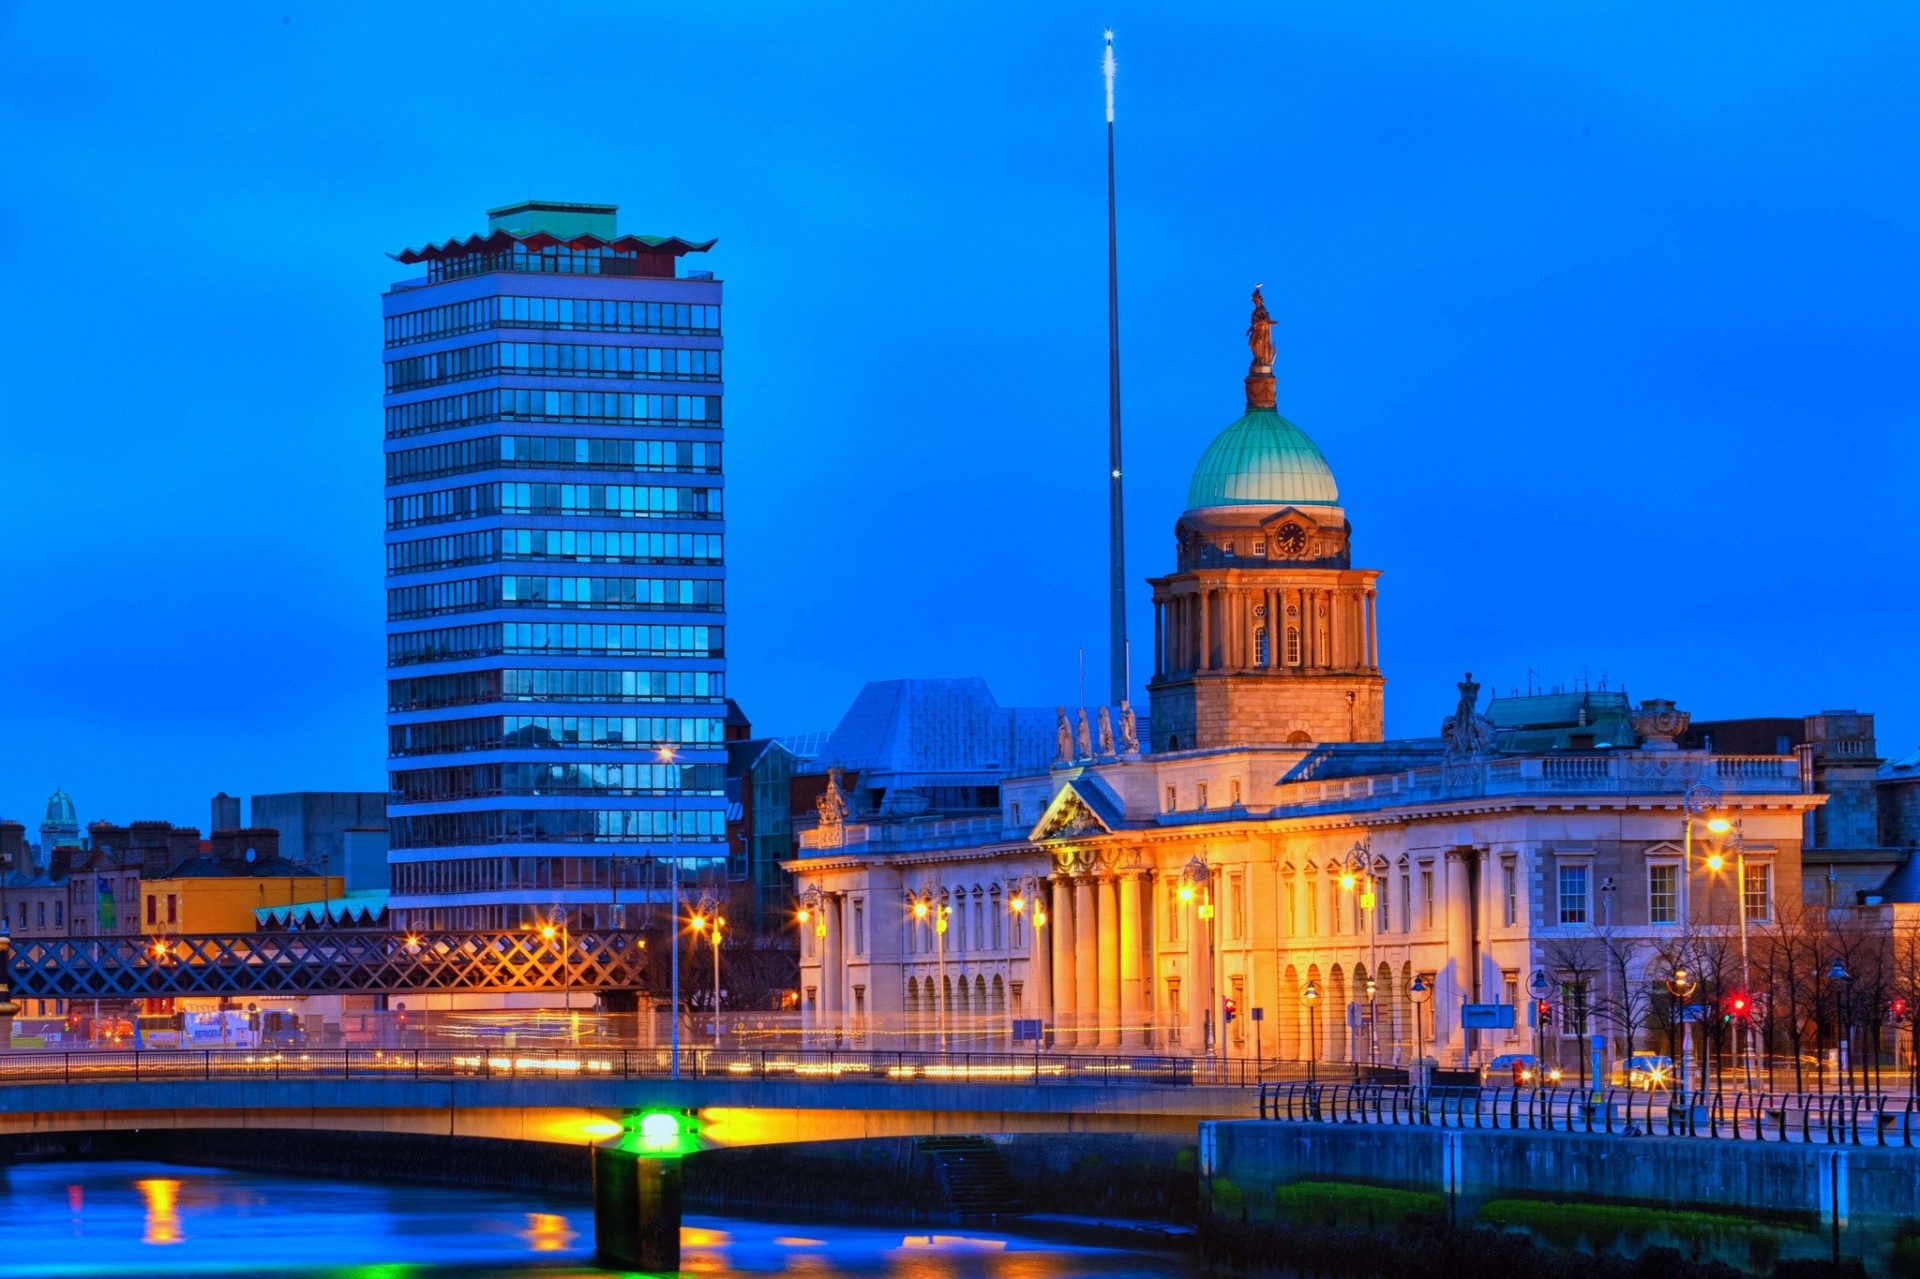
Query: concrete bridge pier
636,1210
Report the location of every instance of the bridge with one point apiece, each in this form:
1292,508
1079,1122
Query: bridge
637,1113
331,962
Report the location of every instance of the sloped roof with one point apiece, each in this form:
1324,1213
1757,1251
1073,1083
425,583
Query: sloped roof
911,730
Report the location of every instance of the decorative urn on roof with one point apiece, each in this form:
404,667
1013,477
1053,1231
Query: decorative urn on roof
1659,722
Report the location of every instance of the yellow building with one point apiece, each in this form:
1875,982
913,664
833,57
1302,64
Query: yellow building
193,904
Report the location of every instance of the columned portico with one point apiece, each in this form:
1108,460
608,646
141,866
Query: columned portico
1132,1008
1065,988
1086,954
1111,1025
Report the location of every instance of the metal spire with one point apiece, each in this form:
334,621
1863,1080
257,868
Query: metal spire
1117,555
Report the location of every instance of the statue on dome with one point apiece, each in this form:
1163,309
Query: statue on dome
1063,739
1129,730
1260,333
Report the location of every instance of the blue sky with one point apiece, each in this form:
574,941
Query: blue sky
1603,314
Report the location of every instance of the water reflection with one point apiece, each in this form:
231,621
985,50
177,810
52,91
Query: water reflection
162,1195
127,1219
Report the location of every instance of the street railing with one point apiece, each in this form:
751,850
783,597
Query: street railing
1852,1118
587,1062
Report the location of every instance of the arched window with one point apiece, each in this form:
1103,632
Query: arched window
1260,646
999,1004
1293,646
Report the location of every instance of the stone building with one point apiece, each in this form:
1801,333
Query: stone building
1267,852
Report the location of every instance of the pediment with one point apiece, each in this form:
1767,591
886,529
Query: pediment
1069,816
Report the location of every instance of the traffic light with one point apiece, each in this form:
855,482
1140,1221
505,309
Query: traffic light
1544,1012
1899,1009
1737,1007
1227,1009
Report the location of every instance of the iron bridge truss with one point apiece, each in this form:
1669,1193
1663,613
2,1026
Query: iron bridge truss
314,963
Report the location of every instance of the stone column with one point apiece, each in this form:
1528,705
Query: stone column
832,967
1159,638
1132,1006
1456,987
1107,889
1063,986
1039,994
1196,982
636,1210
1206,649
1086,959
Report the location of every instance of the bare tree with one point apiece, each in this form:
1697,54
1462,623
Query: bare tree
1789,959
1576,961
1628,1006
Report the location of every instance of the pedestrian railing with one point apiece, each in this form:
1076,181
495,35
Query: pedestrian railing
744,1065
1852,1118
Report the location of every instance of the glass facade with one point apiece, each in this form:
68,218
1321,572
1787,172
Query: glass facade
502,812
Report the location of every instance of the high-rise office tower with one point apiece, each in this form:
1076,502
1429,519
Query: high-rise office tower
555,572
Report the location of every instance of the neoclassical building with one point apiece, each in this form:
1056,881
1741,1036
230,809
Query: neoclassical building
1265,847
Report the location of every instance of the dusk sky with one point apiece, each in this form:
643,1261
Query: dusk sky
1604,316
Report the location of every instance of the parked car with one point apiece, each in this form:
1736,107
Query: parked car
1521,1068
1649,1071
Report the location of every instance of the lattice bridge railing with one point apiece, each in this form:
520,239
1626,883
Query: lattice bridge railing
309,963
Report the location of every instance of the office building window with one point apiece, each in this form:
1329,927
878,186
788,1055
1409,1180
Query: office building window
1509,893
1406,902
1200,794
1313,907
1236,907
1293,923
859,927
1426,897
1759,892
1663,893
1175,909
1573,894
1173,800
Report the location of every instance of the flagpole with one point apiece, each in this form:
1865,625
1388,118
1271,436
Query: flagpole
1117,556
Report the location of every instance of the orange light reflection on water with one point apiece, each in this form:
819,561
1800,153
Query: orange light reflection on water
162,1196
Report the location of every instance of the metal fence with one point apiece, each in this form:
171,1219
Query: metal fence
1851,1118
1024,1069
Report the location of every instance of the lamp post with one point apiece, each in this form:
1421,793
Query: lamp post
1196,883
556,928
1028,886
1419,992
669,757
924,908
1359,861
1681,984
706,915
1312,997
1839,976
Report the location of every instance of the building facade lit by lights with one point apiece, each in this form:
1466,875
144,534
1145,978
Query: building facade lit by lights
555,571
1254,846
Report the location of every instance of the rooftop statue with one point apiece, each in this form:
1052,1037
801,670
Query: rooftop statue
1466,732
1086,738
1106,734
1260,334
1129,730
1063,739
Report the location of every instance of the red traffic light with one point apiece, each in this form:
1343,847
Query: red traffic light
1228,1007
1738,1005
1899,1009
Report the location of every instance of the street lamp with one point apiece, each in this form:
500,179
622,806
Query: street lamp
1358,862
1839,976
669,757
1419,992
556,928
1681,984
1312,997
707,914
924,908
1028,887
1196,885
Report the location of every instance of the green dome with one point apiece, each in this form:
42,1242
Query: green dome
1262,460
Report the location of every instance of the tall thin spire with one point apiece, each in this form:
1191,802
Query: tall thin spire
1117,554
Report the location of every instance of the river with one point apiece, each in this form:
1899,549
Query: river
111,1219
